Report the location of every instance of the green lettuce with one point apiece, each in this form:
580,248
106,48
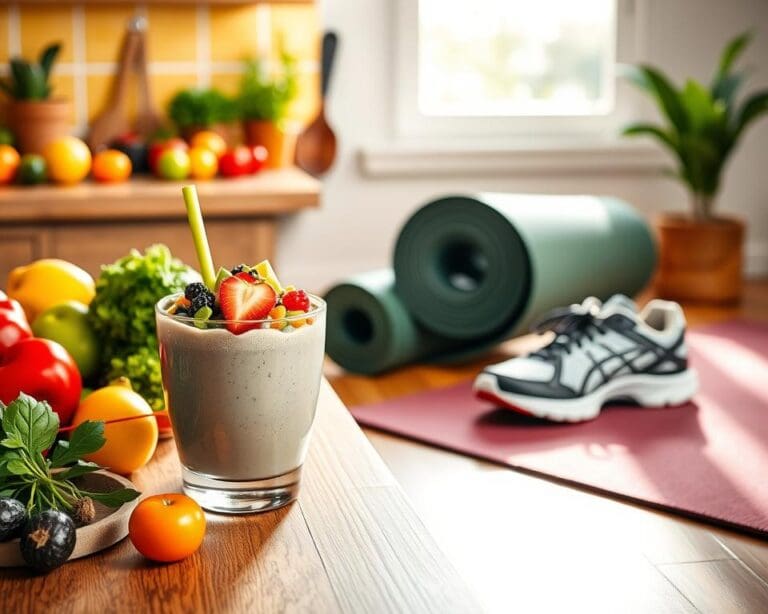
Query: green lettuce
123,315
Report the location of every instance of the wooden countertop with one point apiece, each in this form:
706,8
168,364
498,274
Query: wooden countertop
271,192
351,543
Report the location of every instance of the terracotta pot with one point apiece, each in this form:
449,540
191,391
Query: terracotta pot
35,123
280,143
231,133
700,260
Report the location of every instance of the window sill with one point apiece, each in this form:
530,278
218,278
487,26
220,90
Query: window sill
594,158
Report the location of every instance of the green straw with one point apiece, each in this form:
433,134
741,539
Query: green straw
195,217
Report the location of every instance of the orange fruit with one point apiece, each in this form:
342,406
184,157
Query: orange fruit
68,160
111,165
167,528
210,140
203,163
9,163
129,444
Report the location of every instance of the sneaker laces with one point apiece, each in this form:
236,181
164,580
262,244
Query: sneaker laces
571,326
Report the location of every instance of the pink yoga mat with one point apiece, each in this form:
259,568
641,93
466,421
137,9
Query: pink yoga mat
707,459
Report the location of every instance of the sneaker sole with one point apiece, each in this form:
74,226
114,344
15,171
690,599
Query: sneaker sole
646,390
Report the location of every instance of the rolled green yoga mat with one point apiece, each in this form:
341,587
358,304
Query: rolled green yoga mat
472,271
370,331
479,268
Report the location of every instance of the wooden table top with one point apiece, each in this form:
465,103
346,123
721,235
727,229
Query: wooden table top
351,543
270,192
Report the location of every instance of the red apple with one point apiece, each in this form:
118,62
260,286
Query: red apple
157,148
260,155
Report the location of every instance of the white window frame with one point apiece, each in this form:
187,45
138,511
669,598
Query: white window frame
411,125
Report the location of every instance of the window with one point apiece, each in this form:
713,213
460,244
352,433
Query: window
511,67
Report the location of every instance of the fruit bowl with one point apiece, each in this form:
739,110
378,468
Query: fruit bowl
108,528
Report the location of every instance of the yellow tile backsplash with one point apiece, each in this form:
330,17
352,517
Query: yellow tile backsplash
188,45
235,32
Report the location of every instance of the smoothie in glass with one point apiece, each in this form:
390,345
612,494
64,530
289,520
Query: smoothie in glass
241,404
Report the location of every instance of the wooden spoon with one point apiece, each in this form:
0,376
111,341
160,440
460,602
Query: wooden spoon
316,146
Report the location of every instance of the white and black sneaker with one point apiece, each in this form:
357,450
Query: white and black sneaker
600,353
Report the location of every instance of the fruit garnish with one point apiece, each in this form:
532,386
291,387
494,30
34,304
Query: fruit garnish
195,217
199,296
296,300
202,316
221,276
278,313
241,299
267,273
289,288
297,323
248,276
180,306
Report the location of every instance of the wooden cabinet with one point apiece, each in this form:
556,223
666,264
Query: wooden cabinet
92,224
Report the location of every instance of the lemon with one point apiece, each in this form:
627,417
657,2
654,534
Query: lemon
48,282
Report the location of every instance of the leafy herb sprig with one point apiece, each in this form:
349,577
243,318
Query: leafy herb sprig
29,428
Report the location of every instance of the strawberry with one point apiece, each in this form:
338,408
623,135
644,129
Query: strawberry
241,299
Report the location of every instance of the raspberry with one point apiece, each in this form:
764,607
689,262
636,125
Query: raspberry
296,300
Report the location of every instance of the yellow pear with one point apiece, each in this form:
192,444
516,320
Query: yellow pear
47,282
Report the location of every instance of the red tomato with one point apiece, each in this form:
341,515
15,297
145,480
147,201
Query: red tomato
157,148
236,162
260,155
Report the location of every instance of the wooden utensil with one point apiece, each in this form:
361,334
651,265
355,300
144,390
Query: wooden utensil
316,146
113,120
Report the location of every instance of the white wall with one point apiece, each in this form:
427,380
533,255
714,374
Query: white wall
359,219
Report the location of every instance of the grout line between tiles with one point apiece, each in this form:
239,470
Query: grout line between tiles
14,30
203,40
80,84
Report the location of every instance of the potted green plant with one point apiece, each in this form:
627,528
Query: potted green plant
193,110
264,100
34,116
700,253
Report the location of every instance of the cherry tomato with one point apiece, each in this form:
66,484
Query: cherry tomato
236,162
9,163
111,165
167,528
208,139
260,155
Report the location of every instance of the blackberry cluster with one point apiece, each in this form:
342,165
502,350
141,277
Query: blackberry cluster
199,296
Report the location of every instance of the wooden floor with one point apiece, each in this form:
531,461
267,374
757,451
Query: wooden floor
528,545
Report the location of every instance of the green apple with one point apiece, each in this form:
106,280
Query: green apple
67,324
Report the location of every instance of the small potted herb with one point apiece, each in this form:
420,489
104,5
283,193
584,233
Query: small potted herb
34,116
700,253
264,99
193,110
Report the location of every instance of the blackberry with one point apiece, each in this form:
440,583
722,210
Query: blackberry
194,289
202,300
238,269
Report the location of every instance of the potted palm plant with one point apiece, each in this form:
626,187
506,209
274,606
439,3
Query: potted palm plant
33,115
193,110
700,253
264,100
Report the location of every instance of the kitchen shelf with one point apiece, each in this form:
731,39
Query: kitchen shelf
269,193
91,224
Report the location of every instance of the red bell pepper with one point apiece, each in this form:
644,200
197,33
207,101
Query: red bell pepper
42,369
13,323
